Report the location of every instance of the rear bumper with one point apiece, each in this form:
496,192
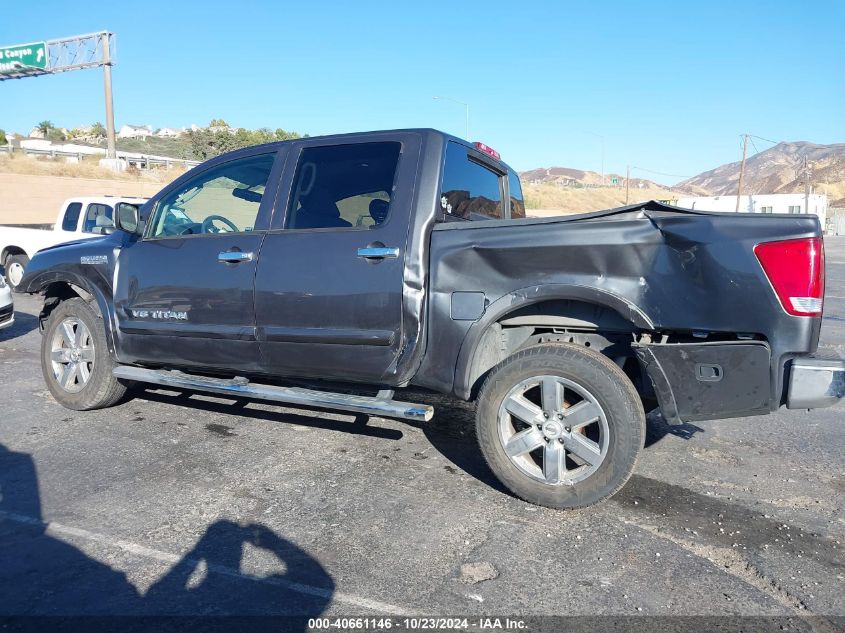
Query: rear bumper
815,382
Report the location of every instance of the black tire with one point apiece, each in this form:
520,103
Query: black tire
101,389
11,262
623,423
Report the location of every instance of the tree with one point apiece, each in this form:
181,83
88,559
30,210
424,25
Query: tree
55,134
206,143
218,123
3,139
44,127
98,130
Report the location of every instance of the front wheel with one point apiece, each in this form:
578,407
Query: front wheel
560,426
15,266
75,358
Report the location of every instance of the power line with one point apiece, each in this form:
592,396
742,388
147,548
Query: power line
660,173
764,139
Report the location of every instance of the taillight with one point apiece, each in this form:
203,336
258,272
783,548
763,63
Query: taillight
795,269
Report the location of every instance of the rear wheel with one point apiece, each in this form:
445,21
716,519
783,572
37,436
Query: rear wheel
15,266
560,425
75,358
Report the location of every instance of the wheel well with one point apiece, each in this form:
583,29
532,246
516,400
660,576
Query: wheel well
561,320
9,251
60,291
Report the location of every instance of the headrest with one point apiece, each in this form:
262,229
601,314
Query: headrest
378,210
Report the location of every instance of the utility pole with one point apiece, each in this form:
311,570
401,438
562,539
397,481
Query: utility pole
111,152
627,182
741,169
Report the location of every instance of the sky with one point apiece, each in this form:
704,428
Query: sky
665,87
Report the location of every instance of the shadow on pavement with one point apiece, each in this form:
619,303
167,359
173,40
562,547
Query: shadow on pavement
452,433
24,324
723,523
42,575
184,399
656,428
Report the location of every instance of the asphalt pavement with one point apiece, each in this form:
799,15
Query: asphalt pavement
181,504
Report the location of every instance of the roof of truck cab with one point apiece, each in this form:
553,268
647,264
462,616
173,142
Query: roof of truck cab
105,199
349,136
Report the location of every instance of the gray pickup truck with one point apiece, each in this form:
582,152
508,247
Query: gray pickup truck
390,259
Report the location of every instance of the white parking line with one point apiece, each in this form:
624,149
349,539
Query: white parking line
59,530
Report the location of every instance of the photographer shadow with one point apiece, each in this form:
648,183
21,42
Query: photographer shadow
43,575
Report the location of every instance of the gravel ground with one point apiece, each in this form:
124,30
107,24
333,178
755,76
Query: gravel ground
180,504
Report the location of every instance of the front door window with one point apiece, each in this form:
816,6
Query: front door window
223,199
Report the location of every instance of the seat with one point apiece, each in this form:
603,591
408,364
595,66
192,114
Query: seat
103,225
319,211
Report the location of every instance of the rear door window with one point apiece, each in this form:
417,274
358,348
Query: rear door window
470,190
71,219
343,186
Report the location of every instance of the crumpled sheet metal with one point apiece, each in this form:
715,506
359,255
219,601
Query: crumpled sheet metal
661,267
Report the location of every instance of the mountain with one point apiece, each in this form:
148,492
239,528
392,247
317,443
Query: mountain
566,176
779,170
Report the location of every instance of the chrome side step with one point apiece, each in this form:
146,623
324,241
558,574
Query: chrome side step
379,405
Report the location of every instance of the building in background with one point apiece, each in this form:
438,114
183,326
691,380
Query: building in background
794,203
836,221
169,132
135,131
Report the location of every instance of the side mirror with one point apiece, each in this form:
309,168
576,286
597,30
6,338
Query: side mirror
126,217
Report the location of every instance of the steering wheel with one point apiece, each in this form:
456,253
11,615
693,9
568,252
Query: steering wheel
208,224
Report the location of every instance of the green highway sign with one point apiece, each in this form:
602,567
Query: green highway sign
23,58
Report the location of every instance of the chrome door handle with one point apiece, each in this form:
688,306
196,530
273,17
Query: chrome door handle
378,252
234,257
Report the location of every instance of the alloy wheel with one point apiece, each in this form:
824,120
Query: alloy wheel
553,430
72,355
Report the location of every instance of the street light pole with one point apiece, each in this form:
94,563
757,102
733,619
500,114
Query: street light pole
466,109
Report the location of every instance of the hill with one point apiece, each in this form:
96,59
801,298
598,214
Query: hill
779,170
563,190
179,147
568,177
552,199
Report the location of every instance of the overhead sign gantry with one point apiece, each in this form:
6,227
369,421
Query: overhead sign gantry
61,55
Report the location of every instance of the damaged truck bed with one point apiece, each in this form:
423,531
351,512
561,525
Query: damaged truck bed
388,259
683,288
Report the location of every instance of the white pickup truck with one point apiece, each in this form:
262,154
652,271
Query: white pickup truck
79,218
